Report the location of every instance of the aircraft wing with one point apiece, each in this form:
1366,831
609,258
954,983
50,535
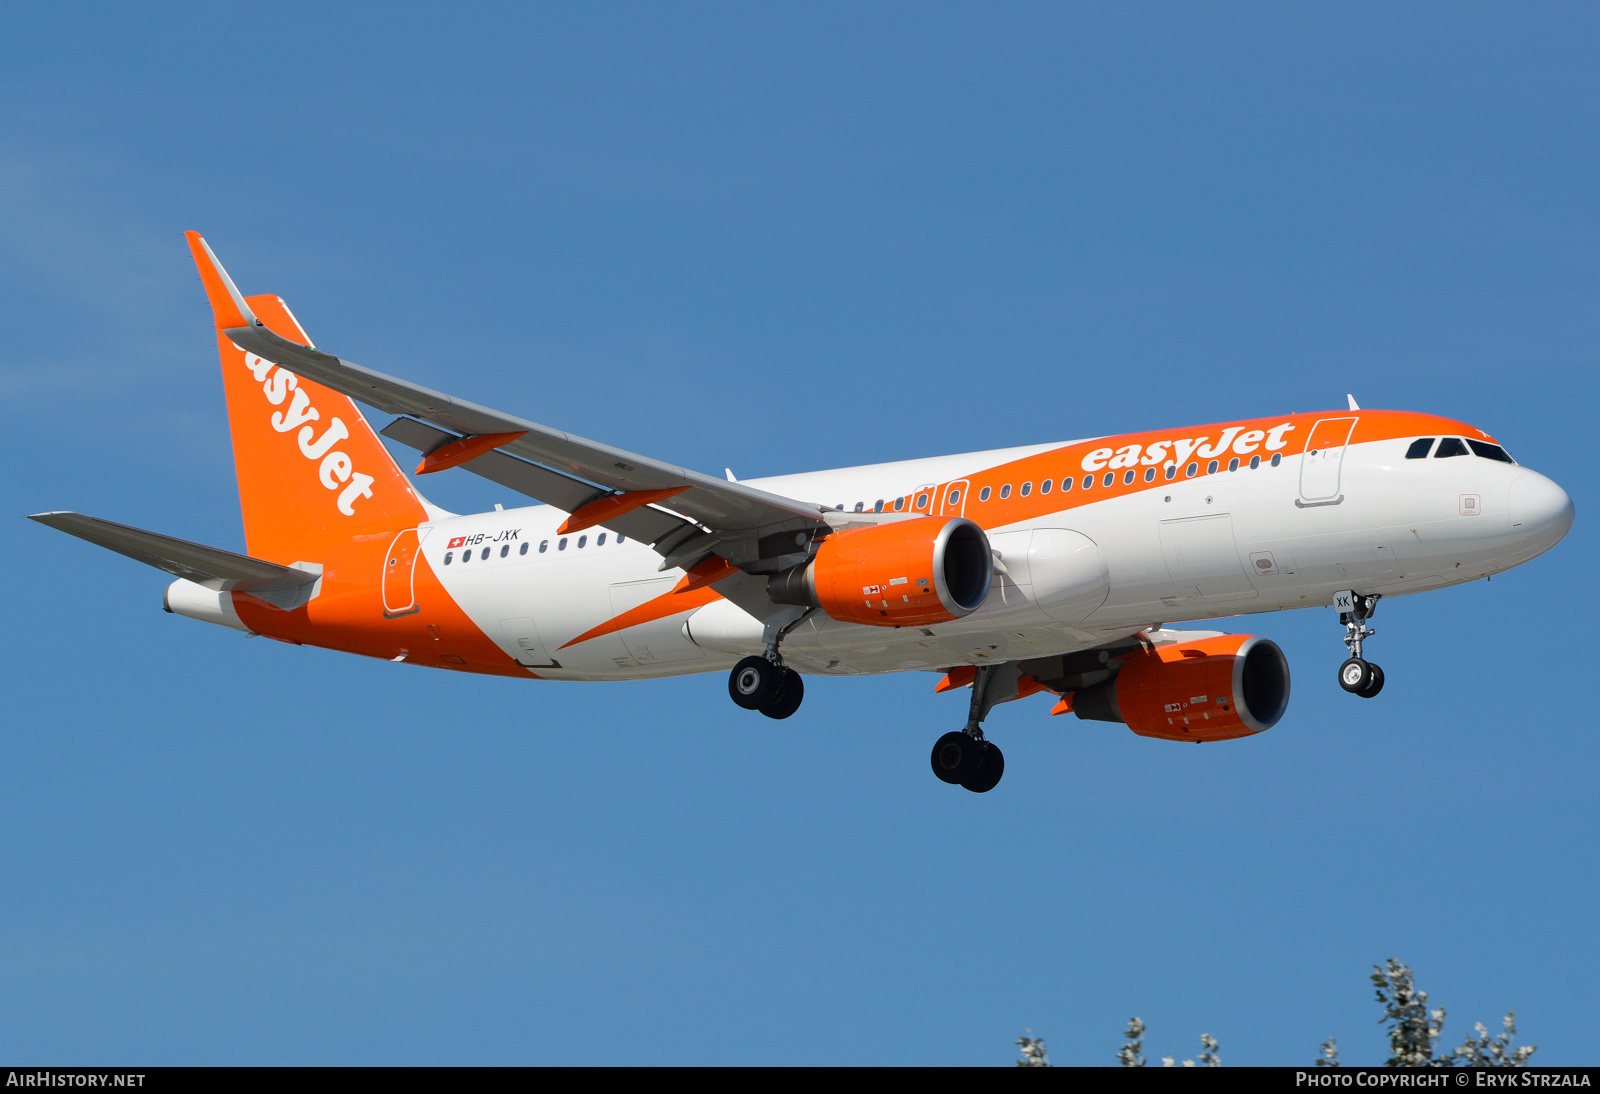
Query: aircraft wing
209,566
736,516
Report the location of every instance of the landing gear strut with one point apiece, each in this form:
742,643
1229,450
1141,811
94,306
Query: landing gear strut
963,757
1357,675
765,683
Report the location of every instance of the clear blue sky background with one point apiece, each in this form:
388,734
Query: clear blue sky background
779,238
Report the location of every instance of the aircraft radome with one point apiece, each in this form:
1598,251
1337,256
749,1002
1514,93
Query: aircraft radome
1011,572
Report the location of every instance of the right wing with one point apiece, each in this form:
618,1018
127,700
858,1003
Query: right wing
755,530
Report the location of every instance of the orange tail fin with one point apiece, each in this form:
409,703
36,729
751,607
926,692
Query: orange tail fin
311,471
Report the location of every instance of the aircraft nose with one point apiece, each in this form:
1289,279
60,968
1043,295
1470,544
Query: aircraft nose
1540,509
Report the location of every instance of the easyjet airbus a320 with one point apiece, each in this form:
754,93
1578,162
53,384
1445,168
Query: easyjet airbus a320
1011,572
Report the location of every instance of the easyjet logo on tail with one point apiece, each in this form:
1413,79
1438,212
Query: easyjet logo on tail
1240,440
334,468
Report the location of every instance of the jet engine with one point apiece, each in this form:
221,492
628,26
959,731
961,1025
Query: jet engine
906,573
1210,689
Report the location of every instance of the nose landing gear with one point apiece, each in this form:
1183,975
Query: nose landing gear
963,757
1357,675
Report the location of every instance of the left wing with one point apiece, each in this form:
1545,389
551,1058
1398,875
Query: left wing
749,527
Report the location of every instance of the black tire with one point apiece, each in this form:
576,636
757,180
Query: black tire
988,776
789,696
956,757
1355,675
755,682
1376,685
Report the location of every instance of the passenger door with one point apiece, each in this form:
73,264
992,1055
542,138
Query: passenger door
1324,456
399,567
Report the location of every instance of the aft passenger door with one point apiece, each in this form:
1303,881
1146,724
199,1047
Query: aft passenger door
399,567
1319,468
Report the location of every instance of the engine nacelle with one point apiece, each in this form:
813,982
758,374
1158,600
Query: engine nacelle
1211,689
906,573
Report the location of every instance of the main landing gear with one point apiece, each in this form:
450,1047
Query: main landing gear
1357,675
963,757
765,683
768,686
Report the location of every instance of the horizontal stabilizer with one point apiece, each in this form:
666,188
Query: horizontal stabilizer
284,586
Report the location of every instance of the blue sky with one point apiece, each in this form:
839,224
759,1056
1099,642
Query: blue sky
780,238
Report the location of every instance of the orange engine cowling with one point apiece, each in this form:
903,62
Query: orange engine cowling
1211,689
909,572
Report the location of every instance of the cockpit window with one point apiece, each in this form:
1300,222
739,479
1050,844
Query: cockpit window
1491,451
1419,448
1450,446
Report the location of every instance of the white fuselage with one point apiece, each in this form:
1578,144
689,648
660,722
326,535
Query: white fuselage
1223,544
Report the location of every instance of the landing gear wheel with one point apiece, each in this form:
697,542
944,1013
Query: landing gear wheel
756,682
1355,676
1376,684
988,776
957,757
789,696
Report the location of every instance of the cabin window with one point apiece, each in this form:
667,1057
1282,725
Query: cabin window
877,506
1149,474
860,505
1005,491
583,541
466,557
448,557
505,550
1044,487
899,504
1027,488
561,544
1419,448
1066,484
1110,478
1191,471
922,501
1255,462
983,495
1127,476
1277,458
1088,481
523,549
1172,471
955,496
544,545
1491,451
1450,446
600,540
1211,468
485,554
621,538
1233,464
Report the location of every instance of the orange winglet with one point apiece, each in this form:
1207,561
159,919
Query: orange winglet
467,448
959,677
709,572
598,512
1065,706
224,297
